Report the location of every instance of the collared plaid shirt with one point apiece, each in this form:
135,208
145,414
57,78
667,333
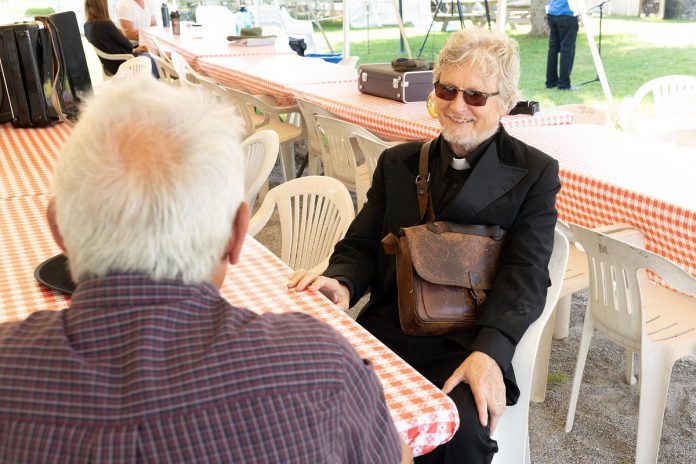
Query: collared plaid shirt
137,371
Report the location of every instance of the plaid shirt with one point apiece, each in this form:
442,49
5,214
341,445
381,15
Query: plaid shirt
137,371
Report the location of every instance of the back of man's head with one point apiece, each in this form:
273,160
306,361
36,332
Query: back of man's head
149,183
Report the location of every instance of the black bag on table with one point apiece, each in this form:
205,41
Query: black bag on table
298,45
43,71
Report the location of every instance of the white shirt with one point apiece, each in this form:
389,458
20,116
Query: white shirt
131,11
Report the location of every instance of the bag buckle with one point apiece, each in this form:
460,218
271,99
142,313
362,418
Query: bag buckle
421,190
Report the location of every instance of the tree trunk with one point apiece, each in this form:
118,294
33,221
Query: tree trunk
537,11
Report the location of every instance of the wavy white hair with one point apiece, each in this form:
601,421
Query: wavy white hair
496,55
149,182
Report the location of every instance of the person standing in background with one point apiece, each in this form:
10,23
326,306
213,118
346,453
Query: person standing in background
563,32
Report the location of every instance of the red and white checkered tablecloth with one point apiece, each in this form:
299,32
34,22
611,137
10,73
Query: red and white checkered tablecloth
424,416
613,177
274,75
201,41
396,120
27,158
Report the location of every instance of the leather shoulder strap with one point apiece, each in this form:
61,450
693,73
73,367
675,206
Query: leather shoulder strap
425,206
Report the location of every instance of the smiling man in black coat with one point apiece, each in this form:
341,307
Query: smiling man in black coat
479,175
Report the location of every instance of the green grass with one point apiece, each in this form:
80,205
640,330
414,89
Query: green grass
633,52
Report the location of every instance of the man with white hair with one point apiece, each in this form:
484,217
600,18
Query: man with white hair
149,363
478,174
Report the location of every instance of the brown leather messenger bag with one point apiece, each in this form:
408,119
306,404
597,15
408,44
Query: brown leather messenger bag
443,269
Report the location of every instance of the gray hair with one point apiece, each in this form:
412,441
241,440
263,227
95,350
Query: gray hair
493,52
149,182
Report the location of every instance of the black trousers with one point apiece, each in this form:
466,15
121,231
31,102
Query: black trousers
563,32
436,358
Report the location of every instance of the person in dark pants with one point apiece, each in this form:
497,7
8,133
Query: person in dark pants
479,174
563,31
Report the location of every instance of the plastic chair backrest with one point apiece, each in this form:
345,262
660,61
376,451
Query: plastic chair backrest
261,150
134,66
340,159
314,214
182,70
111,57
512,432
309,111
617,270
672,95
370,149
215,15
245,104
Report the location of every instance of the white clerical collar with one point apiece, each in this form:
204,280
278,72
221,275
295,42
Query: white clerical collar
459,164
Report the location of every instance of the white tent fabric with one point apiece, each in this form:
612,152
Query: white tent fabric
381,12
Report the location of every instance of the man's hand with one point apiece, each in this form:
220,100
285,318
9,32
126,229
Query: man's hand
485,378
330,288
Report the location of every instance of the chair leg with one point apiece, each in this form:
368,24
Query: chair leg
655,372
541,365
630,375
562,327
587,330
287,160
314,165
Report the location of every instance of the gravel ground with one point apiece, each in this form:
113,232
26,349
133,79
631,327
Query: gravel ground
606,419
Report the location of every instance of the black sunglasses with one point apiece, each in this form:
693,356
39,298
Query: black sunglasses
471,97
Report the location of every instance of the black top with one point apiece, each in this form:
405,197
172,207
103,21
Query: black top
105,36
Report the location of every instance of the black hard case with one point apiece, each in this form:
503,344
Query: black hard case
381,80
26,70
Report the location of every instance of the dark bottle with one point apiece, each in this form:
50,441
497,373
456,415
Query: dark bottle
165,15
176,25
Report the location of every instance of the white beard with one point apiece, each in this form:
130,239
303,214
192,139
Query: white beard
470,142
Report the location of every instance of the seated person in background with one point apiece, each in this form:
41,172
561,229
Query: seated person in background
134,15
149,363
478,175
105,36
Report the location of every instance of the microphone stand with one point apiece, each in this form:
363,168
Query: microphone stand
599,47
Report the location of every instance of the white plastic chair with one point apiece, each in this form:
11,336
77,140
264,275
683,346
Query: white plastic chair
576,278
673,98
164,64
512,432
261,150
315,144
643,317
296,28
188,77
111,57
134,66
340,158
586,114
371,149
314,213
249,106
